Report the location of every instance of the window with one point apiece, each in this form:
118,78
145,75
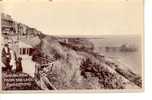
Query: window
24,51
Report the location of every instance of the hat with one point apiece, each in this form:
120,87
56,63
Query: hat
19,58
6,45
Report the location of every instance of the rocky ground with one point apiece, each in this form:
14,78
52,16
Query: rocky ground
77,66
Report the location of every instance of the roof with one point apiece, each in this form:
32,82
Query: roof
24,45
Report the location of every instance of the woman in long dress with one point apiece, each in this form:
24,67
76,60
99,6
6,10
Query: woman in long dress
19,65
12,62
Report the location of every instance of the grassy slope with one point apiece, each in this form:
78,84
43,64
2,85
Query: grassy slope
71,69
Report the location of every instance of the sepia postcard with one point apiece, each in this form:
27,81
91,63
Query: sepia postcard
71,46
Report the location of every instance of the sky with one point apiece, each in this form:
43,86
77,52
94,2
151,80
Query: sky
78,17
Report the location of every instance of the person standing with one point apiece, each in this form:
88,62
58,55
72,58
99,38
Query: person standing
12,62
6,57
19,65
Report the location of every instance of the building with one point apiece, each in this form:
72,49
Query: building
21,31
8,25
19,37
8,30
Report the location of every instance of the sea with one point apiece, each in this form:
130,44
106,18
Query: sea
131,59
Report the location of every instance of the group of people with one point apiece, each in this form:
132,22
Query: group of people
10,61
